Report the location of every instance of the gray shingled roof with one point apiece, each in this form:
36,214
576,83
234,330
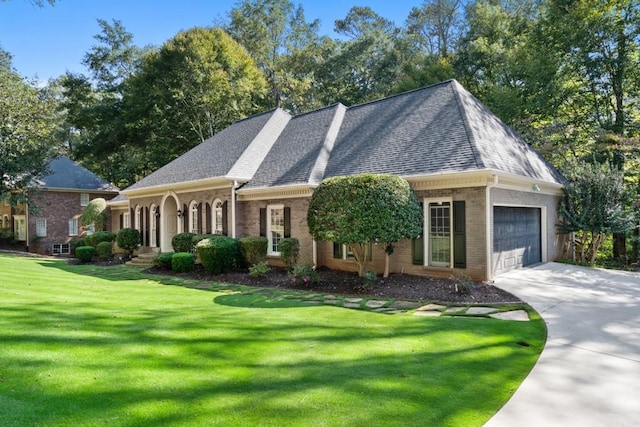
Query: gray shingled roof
437,129
216,156
64,173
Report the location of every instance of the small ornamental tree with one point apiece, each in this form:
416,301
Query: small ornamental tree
95,213
362,209
128,239
595,205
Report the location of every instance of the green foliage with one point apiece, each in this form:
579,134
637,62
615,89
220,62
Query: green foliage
462,284
104,250
85,253
289,250
183,262
362,209
128,239
369,279
183,242
163,260
98,237
259,269
95,213
305,274
75,243
253,249
218,253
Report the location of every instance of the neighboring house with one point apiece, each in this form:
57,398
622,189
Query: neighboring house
489,200
59,200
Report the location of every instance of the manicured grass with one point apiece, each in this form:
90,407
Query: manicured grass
87,345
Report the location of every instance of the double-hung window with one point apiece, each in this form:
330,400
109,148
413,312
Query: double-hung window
73,227
84,199
218,227
41,227
275,228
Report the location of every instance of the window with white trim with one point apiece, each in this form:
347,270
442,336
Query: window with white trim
126,220
194,217
61,249
275,228
217,217
84,199
91,228
41,227
5,222
73,227
439,242
345,252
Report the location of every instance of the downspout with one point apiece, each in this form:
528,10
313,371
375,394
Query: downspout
314,250
488,239
233,208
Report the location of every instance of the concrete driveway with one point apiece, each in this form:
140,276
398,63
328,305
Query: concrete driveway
589,371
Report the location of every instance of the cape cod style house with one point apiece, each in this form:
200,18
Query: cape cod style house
59,201
489,200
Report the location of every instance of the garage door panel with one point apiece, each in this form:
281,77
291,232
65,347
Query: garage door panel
517,238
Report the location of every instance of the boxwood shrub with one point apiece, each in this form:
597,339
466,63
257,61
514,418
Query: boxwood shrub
164,260
104,250
85,253
289,250
128,239
218,253
183,262
183,242
98,237
76,243
253,249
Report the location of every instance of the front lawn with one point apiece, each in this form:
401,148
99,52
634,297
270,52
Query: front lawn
88,345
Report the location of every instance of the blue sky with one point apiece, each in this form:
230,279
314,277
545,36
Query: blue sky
46,42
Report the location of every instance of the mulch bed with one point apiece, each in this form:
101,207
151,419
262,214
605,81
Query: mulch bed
396,286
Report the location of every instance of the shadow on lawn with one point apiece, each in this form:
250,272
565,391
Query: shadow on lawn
229,370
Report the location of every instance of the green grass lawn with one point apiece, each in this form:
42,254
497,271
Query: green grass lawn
88,345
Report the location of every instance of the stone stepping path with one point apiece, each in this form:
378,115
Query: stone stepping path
435,310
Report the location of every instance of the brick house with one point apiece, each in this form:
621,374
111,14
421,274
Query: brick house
489,200
59,201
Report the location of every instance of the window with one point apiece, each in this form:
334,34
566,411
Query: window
195,217
73,227
41,227
345,252
126,220
84,199
5,222
91,228
439,234
275,230
218,223
61,249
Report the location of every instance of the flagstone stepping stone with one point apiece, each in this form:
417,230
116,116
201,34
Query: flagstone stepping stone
454,310
331,301
352,299
518,315
480,310
375,303
405,304
430,307
351,305
426,313
394,311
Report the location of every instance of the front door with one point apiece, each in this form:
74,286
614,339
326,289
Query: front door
20,227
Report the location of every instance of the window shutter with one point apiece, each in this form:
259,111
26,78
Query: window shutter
185,218
459,236
121,221
199,217
287,222
147,223
225,225
132,222
417,245
337,250
207,220
263,222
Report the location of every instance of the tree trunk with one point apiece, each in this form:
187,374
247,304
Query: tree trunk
620,247
386,265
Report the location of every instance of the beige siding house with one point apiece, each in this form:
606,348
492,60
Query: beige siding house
489,199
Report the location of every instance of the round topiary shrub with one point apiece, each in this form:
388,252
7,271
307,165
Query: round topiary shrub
218,253
76,243
253,249
183,262
104,250
85,253
128,239
183,242
99,237
164,260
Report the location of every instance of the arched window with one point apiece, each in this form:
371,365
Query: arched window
194,218
217,217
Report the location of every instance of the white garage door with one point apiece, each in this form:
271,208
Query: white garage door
516,238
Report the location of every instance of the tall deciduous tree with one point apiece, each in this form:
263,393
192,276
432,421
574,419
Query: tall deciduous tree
360,210
27,124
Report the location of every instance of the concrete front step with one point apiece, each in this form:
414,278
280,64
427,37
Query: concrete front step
143,260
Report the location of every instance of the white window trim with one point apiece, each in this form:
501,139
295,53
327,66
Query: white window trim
270,250
193,217
60,249
41,227
126,220
216,207
427,230
138,218
73,227
84,199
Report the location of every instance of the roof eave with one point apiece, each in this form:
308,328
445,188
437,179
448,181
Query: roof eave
180,187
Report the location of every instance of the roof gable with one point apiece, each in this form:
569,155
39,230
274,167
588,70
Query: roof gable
64,173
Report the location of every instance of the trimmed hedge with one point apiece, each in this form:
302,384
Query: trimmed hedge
76,243
253,249
183,262
218,253
289,250
104,250
99,237
128,239
164,260
183,242
85,253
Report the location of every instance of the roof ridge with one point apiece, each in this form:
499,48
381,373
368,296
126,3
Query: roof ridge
467,125
320,165
396,95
